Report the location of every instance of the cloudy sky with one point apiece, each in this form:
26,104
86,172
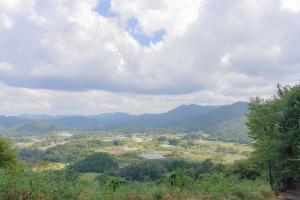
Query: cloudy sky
136,56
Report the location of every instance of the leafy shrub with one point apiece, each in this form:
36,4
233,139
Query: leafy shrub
29,185
8,155
245,169
218,186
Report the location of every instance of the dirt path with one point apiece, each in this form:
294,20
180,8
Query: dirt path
289,195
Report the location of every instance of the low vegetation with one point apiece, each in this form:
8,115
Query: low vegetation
97,177
109,165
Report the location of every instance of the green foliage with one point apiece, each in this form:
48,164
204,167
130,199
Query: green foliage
32,127
183,180
234,130
29,185
68,153
245,169
144,170
274,127
29,153
217,186
115,182
176,178
97,162
8,155
155,170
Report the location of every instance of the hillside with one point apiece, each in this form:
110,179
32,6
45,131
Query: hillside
191,117
211,120
234,130
186,118
32,127
172,118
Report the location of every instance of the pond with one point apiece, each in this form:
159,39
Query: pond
151,156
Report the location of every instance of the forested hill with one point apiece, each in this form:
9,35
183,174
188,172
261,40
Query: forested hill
186,117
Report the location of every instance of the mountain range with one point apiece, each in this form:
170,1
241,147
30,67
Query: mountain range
186,118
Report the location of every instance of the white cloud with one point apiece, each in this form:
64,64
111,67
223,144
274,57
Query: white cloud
173,16
293,5
5,22
213,52
40,101
5,66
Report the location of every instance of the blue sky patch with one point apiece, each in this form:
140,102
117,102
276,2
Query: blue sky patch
104,9
132,26
145,40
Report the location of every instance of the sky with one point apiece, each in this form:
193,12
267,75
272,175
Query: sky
143,56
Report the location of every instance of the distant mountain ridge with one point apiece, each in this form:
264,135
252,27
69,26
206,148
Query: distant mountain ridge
186,117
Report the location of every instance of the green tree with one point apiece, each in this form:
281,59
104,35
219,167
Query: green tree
274,126
176,179
8,154
115,182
